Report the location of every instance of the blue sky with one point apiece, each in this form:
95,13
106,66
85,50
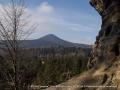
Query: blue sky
72,20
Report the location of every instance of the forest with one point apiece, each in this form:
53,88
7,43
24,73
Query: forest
45,66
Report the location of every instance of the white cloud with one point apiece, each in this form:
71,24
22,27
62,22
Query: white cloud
45,7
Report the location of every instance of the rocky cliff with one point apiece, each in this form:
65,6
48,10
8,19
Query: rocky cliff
107,45
104,63
105,55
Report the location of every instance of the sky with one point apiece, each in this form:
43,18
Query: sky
71,20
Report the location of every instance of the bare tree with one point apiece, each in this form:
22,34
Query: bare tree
13,29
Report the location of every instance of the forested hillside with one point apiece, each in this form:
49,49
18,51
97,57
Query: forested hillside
46,66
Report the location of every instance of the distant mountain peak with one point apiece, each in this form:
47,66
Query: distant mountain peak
50,36
51,40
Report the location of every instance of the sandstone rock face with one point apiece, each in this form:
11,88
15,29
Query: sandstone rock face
106,51
107,45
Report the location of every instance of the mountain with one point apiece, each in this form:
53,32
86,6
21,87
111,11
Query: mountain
51,40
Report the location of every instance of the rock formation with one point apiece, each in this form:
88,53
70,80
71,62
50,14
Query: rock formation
106,51
104,64
107,45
